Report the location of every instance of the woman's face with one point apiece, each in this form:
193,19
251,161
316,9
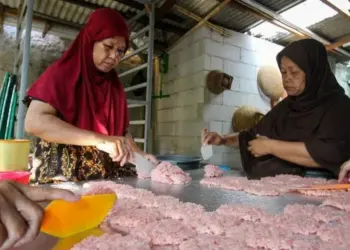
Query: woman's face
108,53
293,77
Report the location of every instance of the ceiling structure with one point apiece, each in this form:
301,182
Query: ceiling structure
279,21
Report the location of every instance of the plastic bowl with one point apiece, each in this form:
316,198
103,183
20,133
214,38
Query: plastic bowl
14,155
17,176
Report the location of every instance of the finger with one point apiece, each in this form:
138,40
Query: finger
131,153
39,194
15,225
125,156
120,149
3,234
203,135
342,175
208,138
113,153
32,214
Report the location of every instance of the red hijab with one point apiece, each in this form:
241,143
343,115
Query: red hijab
82,95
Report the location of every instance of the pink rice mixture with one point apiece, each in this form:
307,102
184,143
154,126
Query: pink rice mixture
142,220
167,173
211,171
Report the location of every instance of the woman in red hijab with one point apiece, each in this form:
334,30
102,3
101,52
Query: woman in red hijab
78,108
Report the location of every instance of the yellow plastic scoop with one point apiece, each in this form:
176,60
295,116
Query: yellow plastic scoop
63,219
68,243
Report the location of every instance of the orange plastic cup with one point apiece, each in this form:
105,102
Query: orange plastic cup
16,176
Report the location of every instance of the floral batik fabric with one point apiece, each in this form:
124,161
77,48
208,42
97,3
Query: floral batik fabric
53,162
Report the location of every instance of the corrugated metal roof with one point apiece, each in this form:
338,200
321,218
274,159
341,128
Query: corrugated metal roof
332,28
235,19
231,17
276,5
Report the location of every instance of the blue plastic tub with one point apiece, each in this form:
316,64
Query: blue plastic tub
185,162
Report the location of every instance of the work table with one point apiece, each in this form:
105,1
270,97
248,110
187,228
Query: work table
210,197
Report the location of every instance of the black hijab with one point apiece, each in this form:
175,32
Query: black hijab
321,84
320,116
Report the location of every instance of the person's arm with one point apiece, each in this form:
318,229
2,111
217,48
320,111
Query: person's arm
42,121
230,140
294,152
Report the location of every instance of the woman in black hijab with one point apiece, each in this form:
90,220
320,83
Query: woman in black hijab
308,129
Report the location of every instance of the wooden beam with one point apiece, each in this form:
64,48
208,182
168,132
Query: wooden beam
212,13
189,14
340,6
164,9
338,43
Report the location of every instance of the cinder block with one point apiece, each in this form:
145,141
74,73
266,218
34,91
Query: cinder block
250,57
190,82
241,40
217,113
211,98
230,52
216,63
200,63
227,127
201,33
240,70
188,145
191,97
189,128
168,87
167,102
217,37
167,129
166,144
186,113
197,49
166,115
215,126
249,86
199,79
212,48
235,99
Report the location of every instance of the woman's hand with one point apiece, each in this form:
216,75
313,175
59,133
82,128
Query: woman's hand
260,146
117,148
211,138
20,215
344,174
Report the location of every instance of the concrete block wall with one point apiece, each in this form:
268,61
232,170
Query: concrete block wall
192,107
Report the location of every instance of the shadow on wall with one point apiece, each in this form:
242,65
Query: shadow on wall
44,51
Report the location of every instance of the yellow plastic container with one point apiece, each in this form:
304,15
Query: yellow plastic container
14,155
